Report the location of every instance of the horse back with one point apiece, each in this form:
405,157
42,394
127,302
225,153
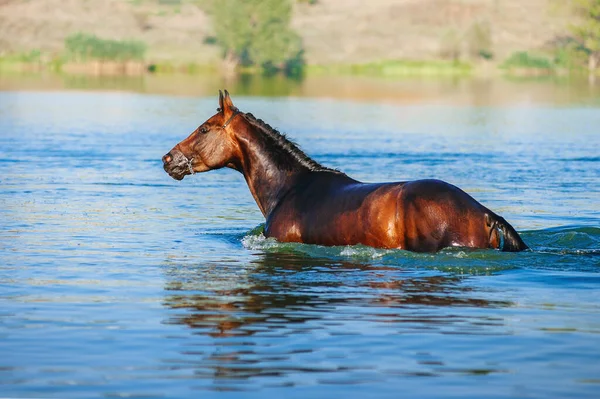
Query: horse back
421,215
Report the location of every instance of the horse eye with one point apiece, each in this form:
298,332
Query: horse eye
219,109
203,130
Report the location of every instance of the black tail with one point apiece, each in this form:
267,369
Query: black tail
512,240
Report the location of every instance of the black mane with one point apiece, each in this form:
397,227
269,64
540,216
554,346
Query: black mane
283,147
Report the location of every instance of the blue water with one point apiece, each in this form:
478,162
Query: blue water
117,281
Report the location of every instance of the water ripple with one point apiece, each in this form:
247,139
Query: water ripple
116,281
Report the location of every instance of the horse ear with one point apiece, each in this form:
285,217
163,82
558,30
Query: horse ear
221,100
227,103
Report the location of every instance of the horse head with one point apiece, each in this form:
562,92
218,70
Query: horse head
211,146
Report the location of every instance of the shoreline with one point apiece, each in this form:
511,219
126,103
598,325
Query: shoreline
425,89
385,68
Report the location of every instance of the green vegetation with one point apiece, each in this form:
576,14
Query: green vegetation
256,36
82,47
525,60
189,68
33,56
474,44
588,31
397,68
479,40
257,33
570,54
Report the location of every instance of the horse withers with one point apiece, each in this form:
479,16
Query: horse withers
303,201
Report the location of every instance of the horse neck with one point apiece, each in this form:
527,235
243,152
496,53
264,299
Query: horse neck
269,178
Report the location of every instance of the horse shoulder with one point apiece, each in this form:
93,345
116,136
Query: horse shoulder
283,223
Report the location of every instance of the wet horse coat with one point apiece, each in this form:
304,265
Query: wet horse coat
306,202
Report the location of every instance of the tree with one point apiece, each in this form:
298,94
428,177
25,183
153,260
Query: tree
479,40
257,32
588,30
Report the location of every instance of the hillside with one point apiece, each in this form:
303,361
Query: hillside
333,31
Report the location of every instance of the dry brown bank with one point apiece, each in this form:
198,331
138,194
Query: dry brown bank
333,31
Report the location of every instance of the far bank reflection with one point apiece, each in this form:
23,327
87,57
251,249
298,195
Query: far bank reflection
477,91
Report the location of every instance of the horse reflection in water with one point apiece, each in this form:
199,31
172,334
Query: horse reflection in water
283,294
305,202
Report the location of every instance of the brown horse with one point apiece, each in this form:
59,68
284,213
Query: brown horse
303,201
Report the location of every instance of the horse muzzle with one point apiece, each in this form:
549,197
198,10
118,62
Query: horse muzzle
177,165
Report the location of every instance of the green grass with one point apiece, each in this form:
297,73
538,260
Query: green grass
33,56
396,68
87,47
16,61
189,68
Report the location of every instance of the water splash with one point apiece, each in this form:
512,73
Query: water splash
260,242
570,243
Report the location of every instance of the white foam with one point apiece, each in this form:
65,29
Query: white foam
259,241
363,252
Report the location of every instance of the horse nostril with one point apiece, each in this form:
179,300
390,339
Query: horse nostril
167,158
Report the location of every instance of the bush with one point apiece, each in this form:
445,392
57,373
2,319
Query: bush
523,59
85,47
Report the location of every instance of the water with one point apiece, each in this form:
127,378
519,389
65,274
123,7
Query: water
117,281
